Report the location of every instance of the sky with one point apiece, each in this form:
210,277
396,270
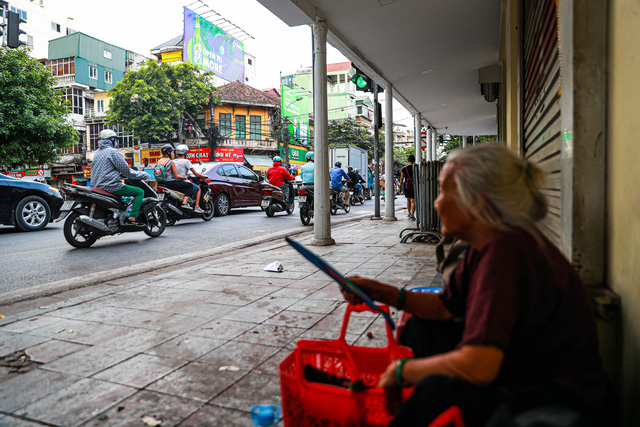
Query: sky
140,25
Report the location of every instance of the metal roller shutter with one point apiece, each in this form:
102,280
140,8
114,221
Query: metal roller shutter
541,98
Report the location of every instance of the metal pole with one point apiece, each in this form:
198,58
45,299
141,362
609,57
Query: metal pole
321,210
463,144
434,144
429,151
389,199
376,155
417,124
474,140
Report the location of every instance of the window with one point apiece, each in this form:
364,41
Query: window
246,173
225,124
125,138
30,41
241,127
255,127
108,77
76,101
20,12
359,110
249,61
288,81
62,67
107,54
55,27
228,170
100,106
93,72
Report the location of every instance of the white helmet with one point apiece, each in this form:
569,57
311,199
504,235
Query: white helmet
107,133
181,150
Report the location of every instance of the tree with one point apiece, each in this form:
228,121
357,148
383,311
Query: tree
32,113
348,131
452,142
154,100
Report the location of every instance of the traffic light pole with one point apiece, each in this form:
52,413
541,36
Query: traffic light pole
376,154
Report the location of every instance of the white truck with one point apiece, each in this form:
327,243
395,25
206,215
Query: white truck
357,158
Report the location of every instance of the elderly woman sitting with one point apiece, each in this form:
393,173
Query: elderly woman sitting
526,333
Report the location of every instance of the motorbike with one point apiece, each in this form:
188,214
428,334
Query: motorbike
92,213
337,202
305,203
172,202
273,199
354,198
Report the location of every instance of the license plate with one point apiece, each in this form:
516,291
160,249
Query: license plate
67,205
302,199
265,203
206,197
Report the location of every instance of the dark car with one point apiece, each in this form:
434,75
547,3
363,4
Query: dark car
233,186
28,205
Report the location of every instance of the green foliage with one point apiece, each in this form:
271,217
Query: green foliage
154,100
32,113
455,142
400,155
348,131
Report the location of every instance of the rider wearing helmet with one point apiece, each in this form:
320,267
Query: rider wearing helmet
171,182
336,175
277,175
108,169
306,171
183,167
355,179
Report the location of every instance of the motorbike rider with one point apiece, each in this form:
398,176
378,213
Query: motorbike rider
183,166
277,175
108,169
361,181
306,171
171,182
355,179
336,175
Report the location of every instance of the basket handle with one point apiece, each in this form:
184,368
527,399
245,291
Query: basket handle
359,308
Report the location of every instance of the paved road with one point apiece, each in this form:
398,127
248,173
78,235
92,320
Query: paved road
32,259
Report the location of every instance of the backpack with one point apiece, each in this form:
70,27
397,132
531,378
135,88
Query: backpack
408,182
160,171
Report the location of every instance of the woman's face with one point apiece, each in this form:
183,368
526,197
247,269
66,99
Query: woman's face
456,221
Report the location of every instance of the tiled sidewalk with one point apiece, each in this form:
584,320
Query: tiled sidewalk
197,346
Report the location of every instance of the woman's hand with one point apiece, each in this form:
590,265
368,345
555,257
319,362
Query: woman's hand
362,283
388,377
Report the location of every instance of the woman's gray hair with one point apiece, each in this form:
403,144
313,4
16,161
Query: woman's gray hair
499,187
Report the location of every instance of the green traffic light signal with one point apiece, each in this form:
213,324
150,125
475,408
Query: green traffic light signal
362,81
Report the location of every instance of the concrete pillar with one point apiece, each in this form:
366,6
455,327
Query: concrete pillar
321,210
389,193
417,125
474,140
463,143
434,146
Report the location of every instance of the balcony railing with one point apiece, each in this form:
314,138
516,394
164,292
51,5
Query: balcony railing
249,143
64,80
92,112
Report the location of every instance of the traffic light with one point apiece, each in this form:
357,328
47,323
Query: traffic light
362,81
14,31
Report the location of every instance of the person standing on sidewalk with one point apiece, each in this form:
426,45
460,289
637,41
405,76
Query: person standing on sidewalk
109,167
406,177
527,334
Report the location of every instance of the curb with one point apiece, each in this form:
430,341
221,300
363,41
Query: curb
53,288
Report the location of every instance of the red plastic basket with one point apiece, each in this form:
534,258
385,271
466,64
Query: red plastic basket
308,404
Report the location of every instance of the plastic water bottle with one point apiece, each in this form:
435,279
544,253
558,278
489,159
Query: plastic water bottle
265,415
127,212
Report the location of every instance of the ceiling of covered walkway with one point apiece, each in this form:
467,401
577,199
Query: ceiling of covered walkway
429,51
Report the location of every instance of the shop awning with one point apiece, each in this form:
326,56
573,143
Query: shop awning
259,163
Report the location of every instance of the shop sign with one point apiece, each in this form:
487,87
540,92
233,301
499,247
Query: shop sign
63,170
17,173
224,154
87,171
35,172
152,155
204,154
296,155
